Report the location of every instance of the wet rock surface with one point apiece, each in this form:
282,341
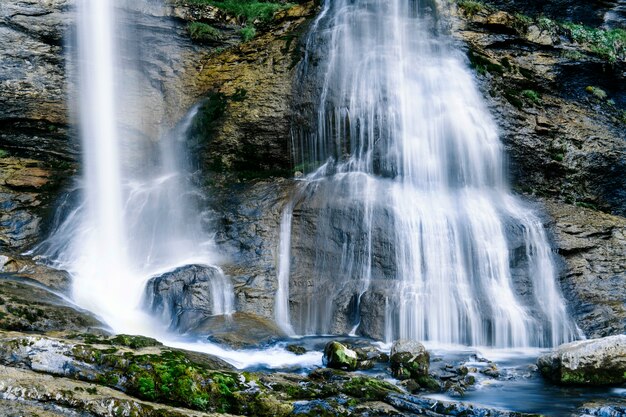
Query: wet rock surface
247,228
246,122
587,362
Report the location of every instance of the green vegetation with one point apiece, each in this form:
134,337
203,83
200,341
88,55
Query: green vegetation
201,32
248,10
483,64
532,96
370,389
470,7
169,377
597,92
3,153
247,33
609,44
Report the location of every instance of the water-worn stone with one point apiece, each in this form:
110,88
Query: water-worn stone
34,394
339,356
28,269
186,296
587,362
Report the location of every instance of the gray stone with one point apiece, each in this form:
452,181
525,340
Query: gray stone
587,362
186,296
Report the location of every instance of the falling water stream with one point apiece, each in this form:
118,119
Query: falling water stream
399,139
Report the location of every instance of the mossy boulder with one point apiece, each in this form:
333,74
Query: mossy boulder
339,356
588,362
409,360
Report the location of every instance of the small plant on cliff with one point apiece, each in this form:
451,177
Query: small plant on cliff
247,33
202,32
532,96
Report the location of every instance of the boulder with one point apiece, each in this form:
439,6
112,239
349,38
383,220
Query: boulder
587,362
339,356
409,360
239,330
187,295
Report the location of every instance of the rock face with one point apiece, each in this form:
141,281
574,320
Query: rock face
247,229
588,362
239,330
251,85
592,245
563,141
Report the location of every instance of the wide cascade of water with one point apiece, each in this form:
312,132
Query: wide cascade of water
406,186
137,214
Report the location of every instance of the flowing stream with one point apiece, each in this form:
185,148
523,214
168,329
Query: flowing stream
403,157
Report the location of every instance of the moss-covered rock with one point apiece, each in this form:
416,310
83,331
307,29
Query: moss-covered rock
409,360
339,356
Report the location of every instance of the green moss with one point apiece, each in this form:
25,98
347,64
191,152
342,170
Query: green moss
3,153
428,382
368,388
597,92
134,342
201,32
586,205
483,65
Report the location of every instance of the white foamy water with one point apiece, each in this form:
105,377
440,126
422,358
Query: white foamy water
401,132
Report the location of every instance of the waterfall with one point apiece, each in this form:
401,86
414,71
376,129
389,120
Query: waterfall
138,214
406,186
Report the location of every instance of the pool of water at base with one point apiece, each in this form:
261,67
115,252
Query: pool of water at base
519,387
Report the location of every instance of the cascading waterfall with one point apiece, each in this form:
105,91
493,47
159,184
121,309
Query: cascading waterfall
138,215
400,143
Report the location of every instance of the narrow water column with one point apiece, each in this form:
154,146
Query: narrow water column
103,248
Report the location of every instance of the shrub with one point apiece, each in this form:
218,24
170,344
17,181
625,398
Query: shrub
202,32
247,33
